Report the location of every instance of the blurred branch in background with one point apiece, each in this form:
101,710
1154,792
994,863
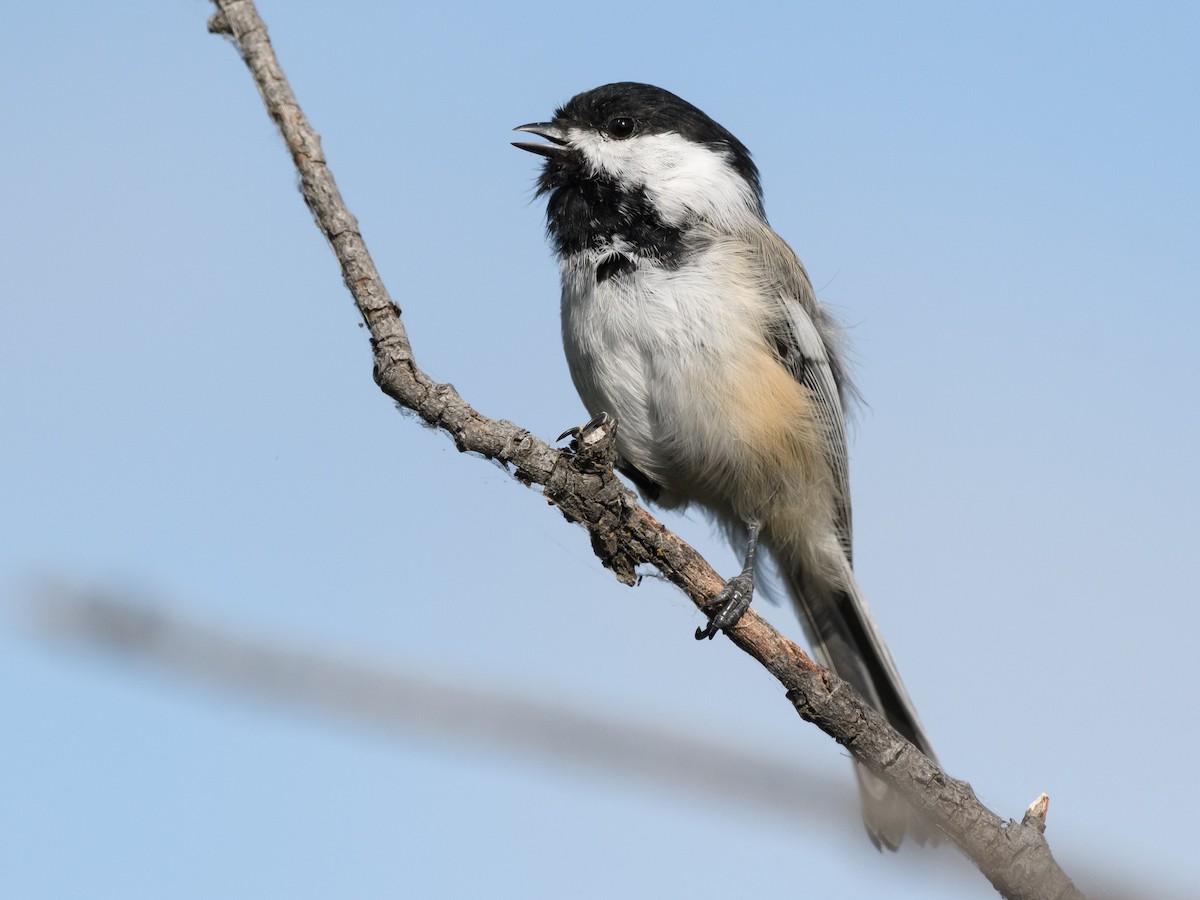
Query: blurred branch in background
417,703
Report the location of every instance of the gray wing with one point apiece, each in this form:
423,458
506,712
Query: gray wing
809,342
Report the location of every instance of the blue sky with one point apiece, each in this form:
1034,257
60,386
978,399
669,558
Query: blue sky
1000,200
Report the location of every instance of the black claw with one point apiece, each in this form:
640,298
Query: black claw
709,632
594,443
580,431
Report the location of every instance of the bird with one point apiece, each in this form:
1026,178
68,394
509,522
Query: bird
693,325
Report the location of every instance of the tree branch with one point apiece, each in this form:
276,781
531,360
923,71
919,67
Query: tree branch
1014,856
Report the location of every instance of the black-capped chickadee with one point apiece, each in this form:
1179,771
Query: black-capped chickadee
688,320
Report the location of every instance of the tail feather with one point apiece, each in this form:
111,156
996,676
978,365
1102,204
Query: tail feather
846,639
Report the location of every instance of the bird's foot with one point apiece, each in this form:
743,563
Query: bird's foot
595,441
732,601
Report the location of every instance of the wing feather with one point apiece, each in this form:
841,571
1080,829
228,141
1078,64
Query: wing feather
809,343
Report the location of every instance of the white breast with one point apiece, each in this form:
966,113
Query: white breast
659,350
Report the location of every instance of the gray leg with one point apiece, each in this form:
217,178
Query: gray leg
734,599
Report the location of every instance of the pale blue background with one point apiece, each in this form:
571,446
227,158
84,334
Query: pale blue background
1001,200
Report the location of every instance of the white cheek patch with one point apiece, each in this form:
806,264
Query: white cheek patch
684,180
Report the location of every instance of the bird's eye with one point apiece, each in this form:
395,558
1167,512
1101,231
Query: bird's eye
621,127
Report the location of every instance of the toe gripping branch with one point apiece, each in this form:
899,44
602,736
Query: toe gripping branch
595,442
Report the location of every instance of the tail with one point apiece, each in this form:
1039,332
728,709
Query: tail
846,639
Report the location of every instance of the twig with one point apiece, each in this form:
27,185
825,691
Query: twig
1014,856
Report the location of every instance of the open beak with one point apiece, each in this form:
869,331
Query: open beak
548,130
